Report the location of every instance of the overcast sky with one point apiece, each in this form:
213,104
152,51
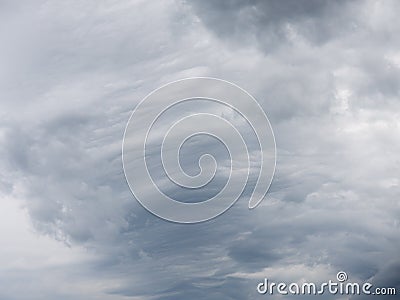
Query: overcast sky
327,73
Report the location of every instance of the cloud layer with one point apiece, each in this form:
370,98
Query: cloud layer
326,73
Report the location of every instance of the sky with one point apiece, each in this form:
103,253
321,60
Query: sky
327,74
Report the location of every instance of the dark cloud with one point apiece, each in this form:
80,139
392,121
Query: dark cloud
387,277
325,72
271,23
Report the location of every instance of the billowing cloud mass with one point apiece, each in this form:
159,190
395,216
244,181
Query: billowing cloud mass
327,73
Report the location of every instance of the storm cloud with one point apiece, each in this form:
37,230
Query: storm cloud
327,75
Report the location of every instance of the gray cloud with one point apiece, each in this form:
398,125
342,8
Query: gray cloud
272,24
325,72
